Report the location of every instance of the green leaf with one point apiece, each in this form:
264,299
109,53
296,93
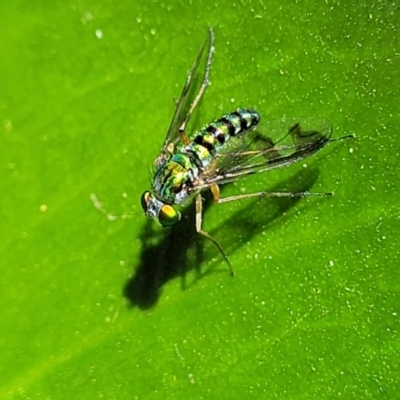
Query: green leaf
118,308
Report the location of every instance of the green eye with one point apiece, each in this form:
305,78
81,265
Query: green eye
168,216
144,200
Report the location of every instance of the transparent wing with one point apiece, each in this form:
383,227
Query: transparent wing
272,145
192,92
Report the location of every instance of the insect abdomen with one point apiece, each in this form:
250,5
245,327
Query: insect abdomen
216,134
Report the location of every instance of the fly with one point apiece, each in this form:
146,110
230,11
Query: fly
223,151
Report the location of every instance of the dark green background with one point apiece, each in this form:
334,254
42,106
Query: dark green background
93,308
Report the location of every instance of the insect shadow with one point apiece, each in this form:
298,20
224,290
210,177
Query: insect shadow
169,253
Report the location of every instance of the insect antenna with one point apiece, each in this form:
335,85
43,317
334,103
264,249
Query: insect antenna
110,216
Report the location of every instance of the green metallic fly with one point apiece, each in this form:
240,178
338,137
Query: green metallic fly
223,151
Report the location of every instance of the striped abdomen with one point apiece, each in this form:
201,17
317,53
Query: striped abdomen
213,136
216,134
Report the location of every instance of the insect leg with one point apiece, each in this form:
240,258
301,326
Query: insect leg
219,200
201,90
199,208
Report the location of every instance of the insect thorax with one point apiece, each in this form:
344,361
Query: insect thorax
173,181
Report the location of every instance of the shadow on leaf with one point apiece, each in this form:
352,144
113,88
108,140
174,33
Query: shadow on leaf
168,253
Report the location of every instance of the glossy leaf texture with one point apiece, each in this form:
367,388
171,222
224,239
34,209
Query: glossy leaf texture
99,302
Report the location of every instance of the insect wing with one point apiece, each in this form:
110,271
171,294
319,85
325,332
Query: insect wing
300,139
195,79
273,144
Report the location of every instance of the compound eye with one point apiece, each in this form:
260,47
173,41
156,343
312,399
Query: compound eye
144,200
168,216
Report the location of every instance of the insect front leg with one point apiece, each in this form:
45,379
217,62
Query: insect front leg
199,220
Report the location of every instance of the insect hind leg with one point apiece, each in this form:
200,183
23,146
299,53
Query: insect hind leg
219,200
